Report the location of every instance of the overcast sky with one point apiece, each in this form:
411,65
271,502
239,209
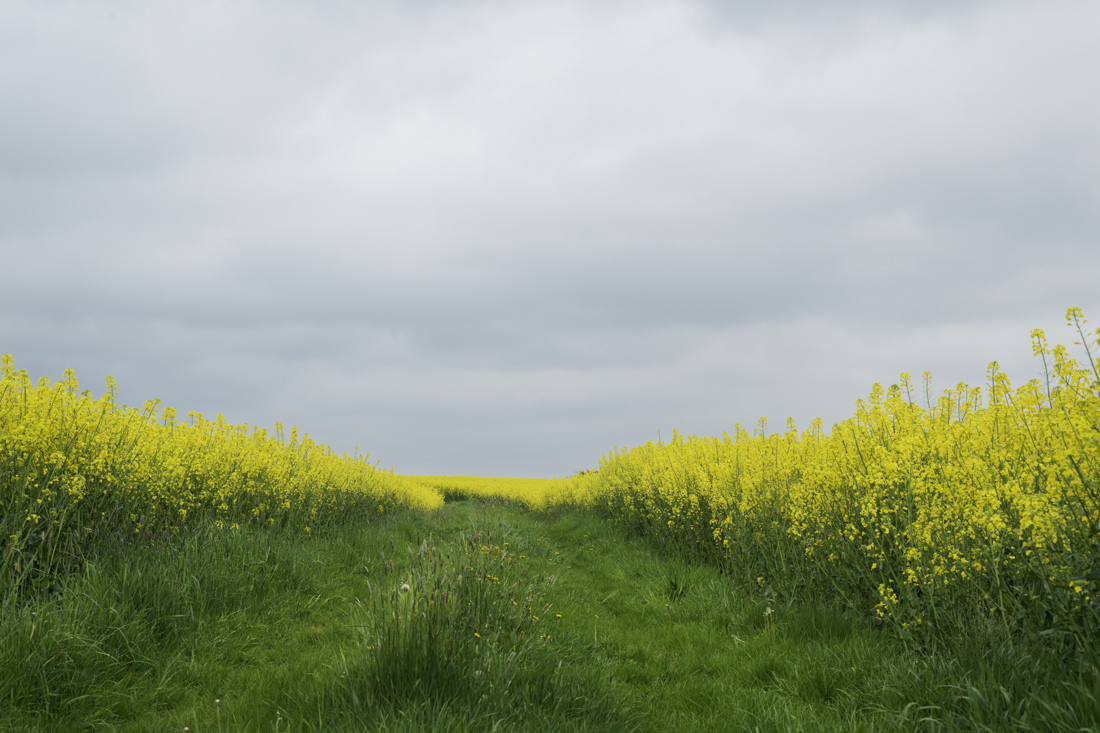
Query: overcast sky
506,237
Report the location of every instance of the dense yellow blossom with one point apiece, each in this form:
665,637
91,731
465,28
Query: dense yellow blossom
915,509
72,464
532,493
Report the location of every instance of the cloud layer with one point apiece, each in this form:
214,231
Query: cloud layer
503,238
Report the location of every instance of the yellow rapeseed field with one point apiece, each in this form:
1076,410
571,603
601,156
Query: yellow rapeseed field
72,465
532,493
922,511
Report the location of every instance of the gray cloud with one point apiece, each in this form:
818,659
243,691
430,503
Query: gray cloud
504,238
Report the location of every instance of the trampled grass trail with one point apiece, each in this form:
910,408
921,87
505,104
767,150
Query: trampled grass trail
681,649
676,645
559,621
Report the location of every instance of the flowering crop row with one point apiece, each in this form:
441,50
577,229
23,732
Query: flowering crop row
73,466
983,503
532,493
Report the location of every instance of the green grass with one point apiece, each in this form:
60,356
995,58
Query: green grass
311,635
687,650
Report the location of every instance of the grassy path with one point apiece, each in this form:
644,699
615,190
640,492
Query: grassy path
683,650
271,628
